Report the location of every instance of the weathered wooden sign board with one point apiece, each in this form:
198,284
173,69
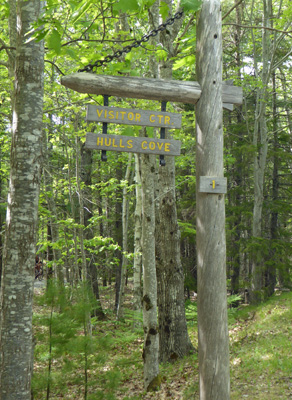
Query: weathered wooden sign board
133,144
213,184
161,119
146,88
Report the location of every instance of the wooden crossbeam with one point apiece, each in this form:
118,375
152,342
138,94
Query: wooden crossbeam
146,88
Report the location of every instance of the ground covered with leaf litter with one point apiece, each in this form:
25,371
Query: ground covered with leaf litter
72,364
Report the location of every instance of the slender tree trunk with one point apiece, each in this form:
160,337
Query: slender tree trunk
125,222
137,274
270,272
22,209
238,173
81,215
211,247
75,269
151,336
118,235
149,302
86,171
260,141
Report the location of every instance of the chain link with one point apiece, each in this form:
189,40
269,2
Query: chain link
135,44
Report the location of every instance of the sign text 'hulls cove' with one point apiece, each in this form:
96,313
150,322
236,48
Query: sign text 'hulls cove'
167,147
161,119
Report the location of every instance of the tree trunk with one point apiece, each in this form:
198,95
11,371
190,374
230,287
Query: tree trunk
270,272
86,172
211,247
22,209
260,141
118,235
151,336
238,171
125,223
174,341
137,273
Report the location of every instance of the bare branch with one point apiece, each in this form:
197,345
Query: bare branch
56,66
258,27
231,9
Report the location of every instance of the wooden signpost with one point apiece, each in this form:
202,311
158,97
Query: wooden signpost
213,332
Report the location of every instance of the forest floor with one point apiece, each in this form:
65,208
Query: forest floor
71,365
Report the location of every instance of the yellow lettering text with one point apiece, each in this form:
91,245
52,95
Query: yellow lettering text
123,114
99,112
121,143
111,114
99,141
114,143
159,118
167,120
152,145
152,118
144,145
105,113
107,142
138,117
130,144
130,116
160,145
166,148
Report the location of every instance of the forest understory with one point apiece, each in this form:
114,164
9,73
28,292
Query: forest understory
69,364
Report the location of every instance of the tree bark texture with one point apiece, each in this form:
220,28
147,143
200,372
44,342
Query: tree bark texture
174,341
151,336
22,210
211,246
137,269
125,224
260,141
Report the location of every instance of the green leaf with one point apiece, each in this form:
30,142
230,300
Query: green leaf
128,131
191,5
148,3
186,61
150,131
82,10
54,41
126,5
72,54
164,10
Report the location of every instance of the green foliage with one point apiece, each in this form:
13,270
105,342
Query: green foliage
191,5
126,5
187,230
67,346
191,312
259,353
54,41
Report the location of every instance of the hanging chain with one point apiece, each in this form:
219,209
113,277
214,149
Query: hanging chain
135,44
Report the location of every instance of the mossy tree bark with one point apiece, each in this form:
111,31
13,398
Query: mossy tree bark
22,208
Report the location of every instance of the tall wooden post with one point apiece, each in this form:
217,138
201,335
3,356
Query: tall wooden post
211,246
